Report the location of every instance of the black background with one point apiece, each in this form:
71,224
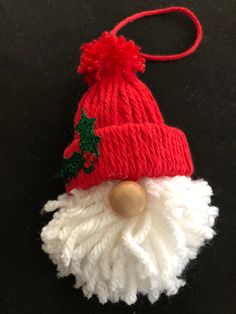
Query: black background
40,89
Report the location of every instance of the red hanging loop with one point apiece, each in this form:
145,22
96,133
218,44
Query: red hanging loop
170,57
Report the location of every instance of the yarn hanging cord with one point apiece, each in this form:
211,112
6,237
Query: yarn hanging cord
170,57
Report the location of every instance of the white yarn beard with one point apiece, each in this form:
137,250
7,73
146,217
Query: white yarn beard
115,257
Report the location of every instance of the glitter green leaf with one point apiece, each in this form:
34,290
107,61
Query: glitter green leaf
88,150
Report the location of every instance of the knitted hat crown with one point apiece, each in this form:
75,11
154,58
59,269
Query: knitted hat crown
119,130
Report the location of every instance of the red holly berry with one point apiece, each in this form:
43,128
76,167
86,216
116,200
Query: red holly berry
89,159
87,155
87,164
92,157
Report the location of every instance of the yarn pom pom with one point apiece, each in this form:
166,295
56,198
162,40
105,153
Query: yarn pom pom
109,54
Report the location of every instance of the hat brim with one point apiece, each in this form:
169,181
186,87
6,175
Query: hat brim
132,151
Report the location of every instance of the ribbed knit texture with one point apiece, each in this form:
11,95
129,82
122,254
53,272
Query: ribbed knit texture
135,141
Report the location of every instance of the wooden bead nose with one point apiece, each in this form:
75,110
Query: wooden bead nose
128,198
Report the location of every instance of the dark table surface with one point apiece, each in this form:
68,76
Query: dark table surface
39,53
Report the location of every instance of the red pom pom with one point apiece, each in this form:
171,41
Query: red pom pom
110,54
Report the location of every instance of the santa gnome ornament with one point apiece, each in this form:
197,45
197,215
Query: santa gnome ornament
132,217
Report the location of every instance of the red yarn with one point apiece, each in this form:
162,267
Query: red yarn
134,140
109,54
170,57
72,147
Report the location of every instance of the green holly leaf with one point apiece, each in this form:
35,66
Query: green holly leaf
88,143
71,166
85,126
88,140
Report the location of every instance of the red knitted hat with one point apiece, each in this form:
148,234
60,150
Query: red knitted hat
119,129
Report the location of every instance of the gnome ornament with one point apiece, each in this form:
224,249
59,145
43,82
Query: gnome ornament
132,217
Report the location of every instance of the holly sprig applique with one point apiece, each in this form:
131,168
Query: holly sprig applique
83,152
